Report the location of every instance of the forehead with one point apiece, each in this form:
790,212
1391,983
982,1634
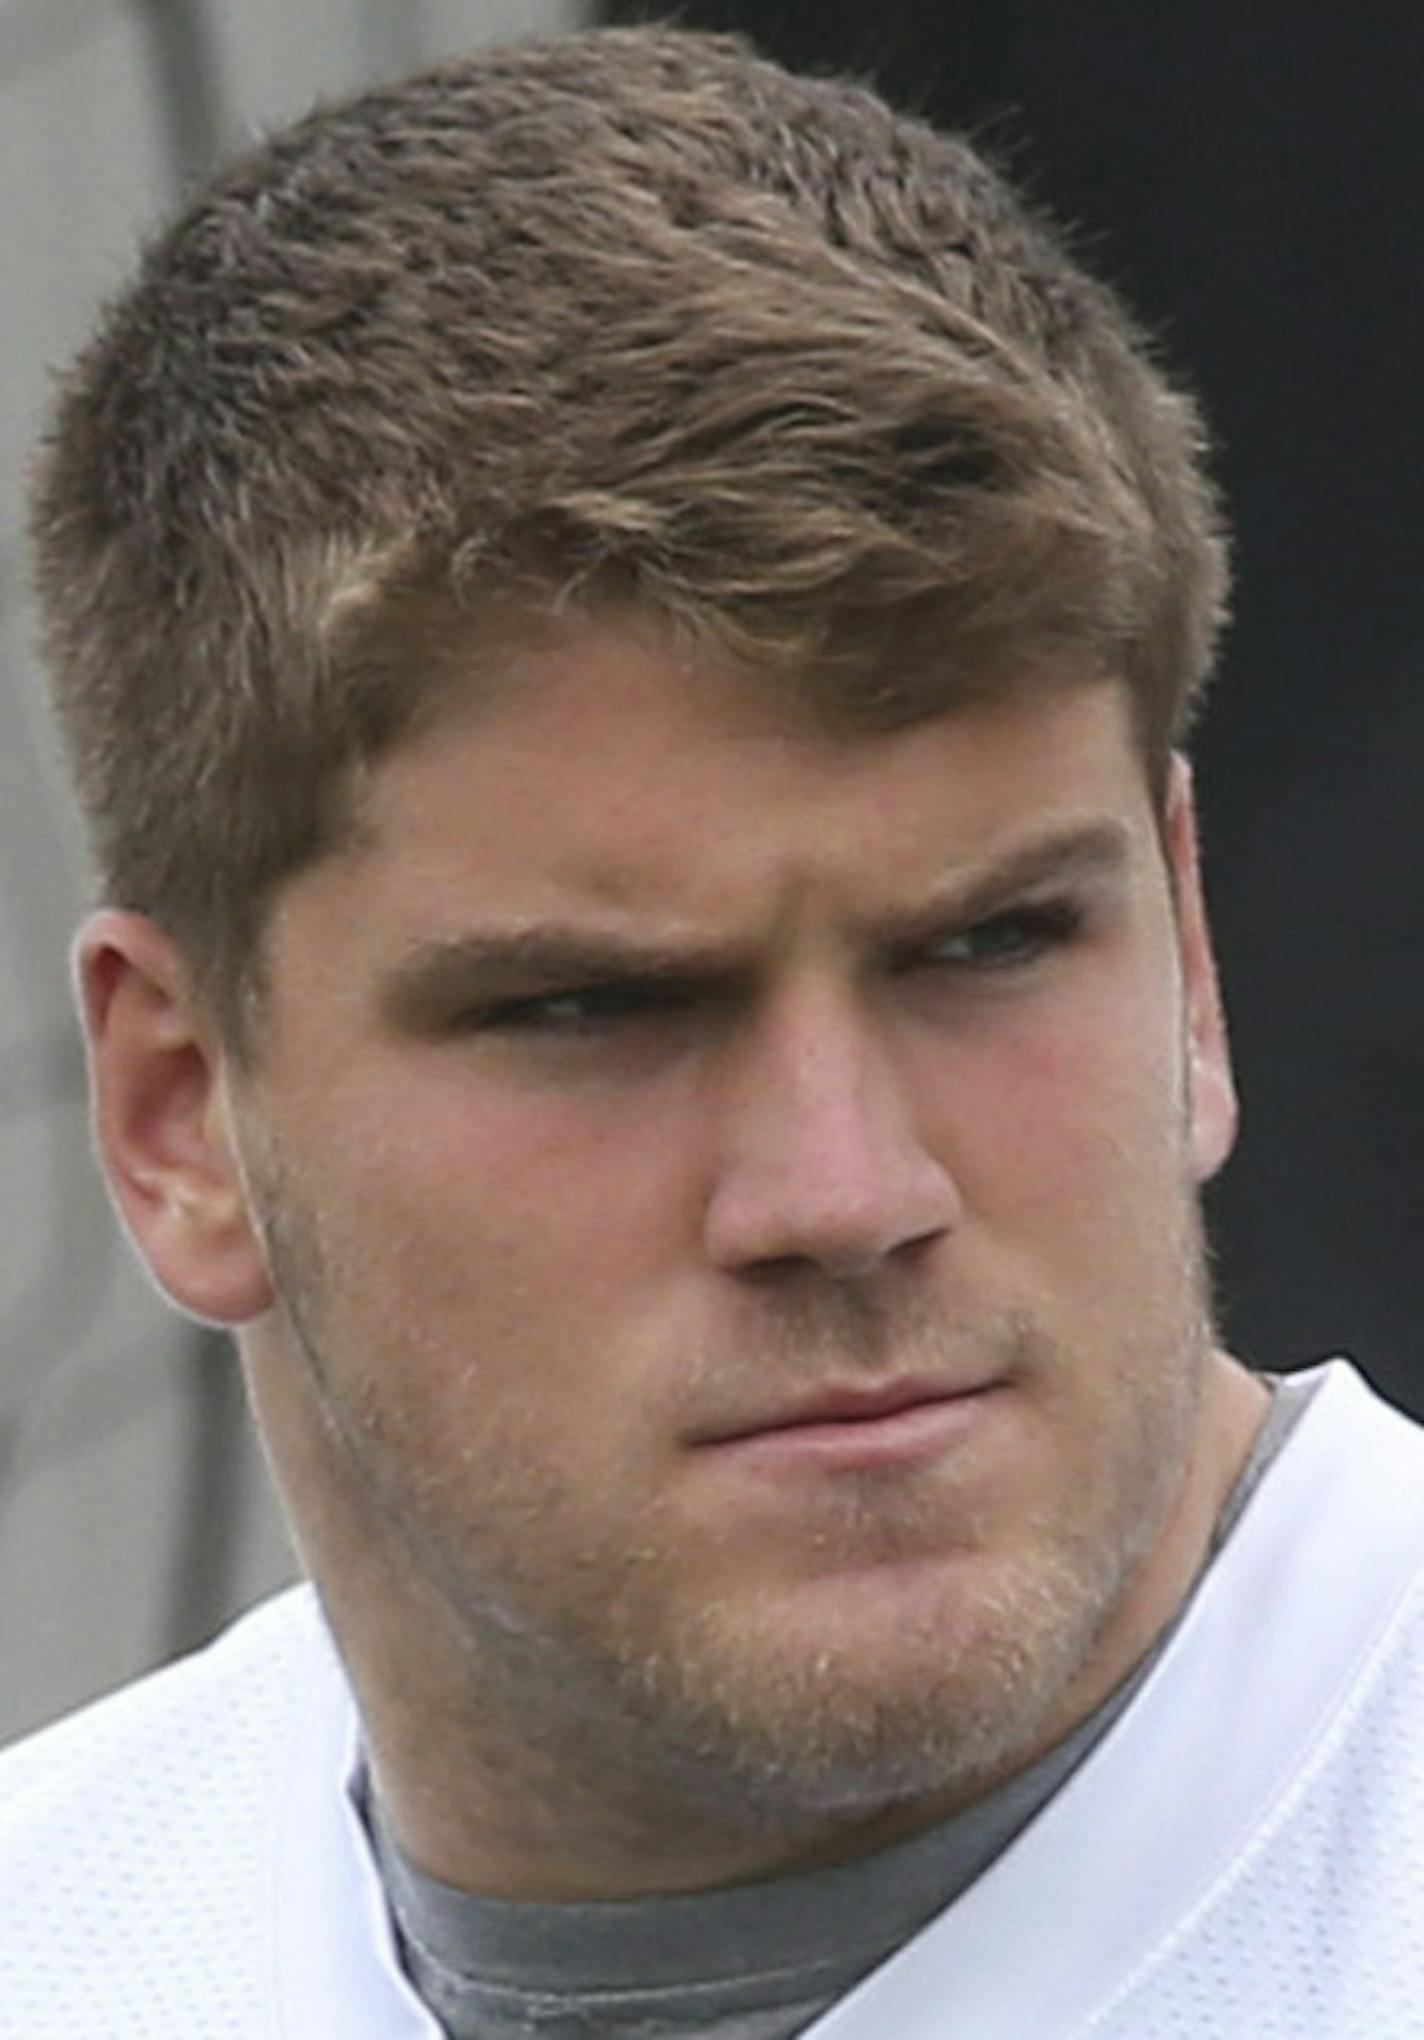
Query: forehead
603,765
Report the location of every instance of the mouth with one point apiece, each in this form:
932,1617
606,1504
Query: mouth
855,1427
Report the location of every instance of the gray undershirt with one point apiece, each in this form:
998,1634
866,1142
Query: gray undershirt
756,1961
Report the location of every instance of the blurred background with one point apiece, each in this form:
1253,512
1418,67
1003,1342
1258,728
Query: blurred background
1252,179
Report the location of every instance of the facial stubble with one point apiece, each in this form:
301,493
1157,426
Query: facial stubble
724,1703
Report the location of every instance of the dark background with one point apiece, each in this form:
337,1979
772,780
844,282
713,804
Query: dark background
1250,176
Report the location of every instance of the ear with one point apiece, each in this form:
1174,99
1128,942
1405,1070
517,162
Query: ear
158,1078
1211,1092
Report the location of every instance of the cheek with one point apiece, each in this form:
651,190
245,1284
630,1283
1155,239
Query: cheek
487,1239
1069,1125
506,1171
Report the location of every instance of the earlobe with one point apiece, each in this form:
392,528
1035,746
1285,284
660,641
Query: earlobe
162,1123
1211,1098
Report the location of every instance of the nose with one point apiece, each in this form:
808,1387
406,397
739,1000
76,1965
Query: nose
820,1159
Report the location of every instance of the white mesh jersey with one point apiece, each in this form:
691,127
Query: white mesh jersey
1241,1858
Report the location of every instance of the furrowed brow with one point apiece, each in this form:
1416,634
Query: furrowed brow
440,973
1091,854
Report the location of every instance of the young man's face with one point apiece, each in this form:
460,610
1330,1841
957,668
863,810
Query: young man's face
733,1195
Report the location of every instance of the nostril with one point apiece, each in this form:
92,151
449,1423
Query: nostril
854,1264
774,1221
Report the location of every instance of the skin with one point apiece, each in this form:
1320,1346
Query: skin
894,1062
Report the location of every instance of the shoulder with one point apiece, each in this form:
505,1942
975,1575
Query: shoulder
1352,1449
136,1835
166,1731
1307,1784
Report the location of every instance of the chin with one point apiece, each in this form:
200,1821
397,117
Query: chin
925,1698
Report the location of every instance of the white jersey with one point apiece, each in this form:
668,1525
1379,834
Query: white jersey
1241,1858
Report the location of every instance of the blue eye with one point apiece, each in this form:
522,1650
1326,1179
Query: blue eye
1000,941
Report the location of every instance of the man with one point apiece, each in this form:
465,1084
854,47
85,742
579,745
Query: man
624,623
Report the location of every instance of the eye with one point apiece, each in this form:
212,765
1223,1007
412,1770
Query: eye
1016,937
581,1010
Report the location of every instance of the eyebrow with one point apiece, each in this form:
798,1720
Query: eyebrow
435,976
436,973
1092,854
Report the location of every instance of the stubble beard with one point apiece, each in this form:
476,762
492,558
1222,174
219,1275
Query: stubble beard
842,1725
705,1708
